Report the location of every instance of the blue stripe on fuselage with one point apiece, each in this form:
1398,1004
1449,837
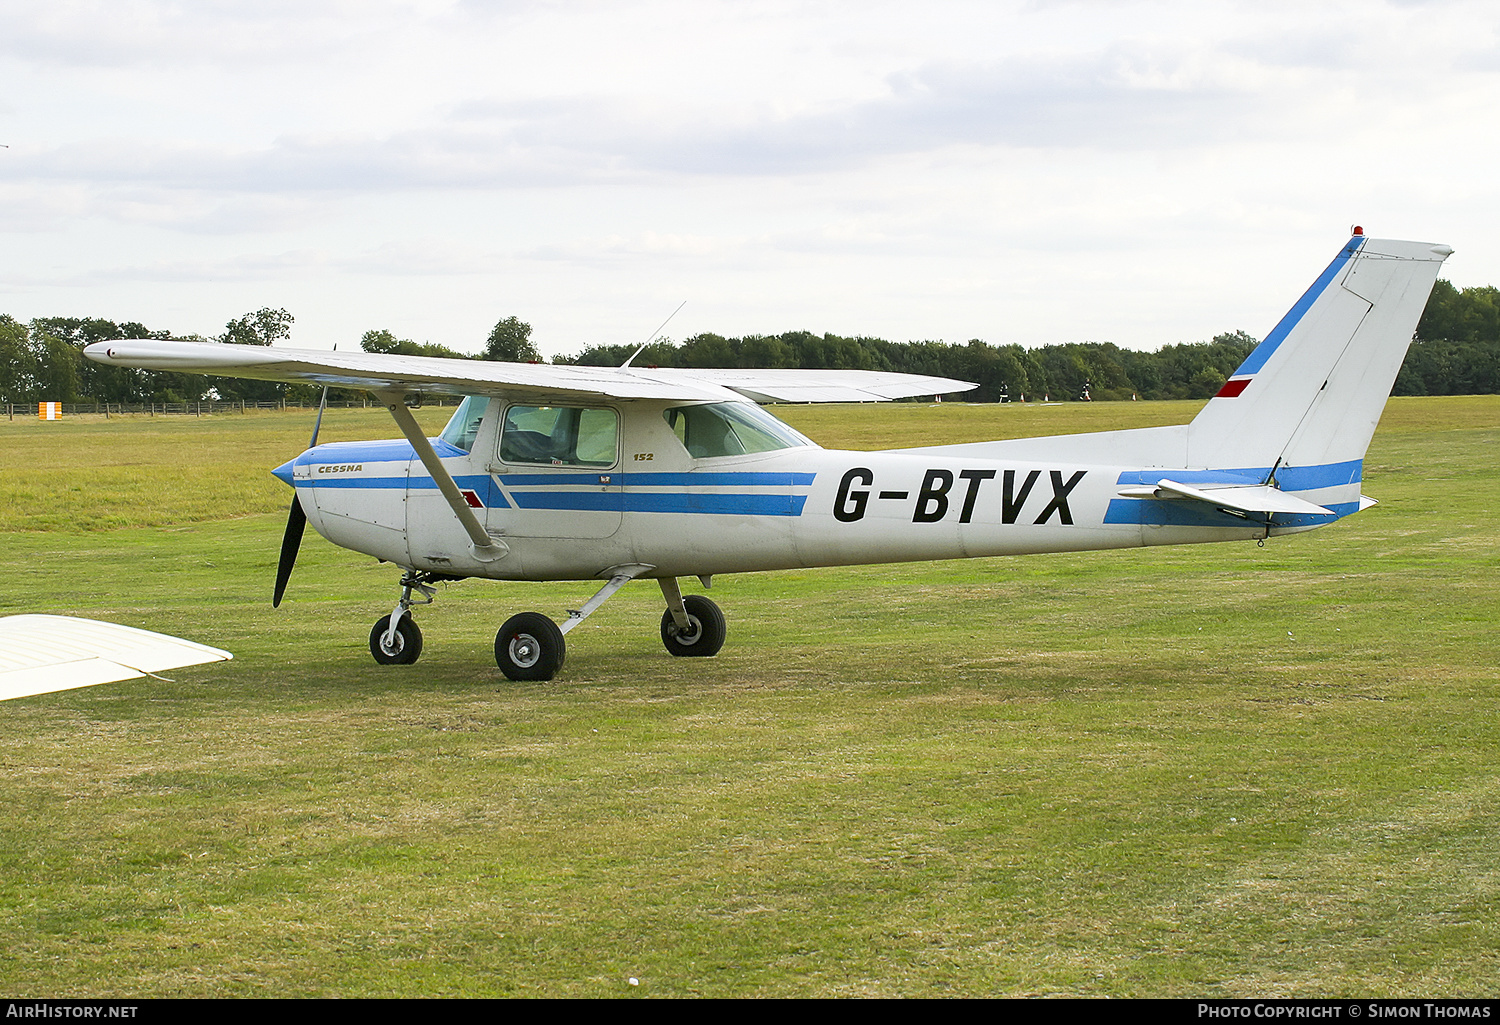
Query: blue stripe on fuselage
745,479
390,450
1240,478
711,503
1291,478
540,489
1155,512
482,485
620,497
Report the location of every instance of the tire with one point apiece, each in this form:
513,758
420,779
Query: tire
408,642
529,647
706,633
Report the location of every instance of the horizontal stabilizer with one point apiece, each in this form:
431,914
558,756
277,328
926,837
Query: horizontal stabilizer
41,654
1261,498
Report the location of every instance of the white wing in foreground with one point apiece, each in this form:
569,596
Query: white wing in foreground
40,654
385,372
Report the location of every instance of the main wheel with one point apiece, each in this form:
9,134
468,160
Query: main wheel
529,647
404,649
705,633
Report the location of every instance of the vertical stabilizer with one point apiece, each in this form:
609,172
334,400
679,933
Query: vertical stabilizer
1307,400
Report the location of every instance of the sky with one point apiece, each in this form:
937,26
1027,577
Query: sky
1142,173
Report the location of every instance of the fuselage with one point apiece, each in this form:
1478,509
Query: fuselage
670,487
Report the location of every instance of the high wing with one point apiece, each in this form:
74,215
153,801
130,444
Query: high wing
815,385
41,654
382,372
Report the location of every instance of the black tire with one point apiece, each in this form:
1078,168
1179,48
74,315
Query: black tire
408,644
529,647
706,634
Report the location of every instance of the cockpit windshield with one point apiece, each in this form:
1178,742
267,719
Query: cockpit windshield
730,429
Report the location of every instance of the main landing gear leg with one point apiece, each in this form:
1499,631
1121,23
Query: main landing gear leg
531,647
395,640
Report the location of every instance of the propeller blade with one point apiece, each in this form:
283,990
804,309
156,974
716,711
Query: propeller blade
296,520
290,541
318,423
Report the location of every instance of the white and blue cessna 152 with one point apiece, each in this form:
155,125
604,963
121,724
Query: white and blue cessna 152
586,473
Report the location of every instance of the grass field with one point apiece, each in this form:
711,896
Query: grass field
1212,771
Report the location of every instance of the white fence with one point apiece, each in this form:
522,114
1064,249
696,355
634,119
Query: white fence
203,408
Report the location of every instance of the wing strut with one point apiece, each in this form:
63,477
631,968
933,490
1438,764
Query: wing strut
486,548
619,576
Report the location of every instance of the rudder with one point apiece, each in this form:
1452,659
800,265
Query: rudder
1304,404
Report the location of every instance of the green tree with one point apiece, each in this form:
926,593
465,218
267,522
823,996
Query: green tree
707,351
1012,374
17,362
262,327
758,352
510,342
105,383
57,368
385,342
1457,348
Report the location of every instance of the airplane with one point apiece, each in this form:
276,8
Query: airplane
571,473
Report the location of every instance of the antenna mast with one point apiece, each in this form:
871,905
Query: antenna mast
658,331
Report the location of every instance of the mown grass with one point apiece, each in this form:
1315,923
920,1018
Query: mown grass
102,473
1223,770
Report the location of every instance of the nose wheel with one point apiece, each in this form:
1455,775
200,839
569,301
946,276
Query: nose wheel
395,639
400,647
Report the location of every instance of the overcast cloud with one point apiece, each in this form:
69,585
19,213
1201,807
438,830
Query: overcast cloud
1142,173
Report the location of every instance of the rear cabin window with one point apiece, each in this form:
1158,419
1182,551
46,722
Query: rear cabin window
559,436
730,429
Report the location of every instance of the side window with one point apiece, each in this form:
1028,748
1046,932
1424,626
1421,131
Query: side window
596,437
559,436
703,433
729,429
464,425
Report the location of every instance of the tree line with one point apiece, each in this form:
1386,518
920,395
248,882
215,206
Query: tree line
1456,352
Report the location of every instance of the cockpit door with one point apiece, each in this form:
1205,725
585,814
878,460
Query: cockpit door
557,469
